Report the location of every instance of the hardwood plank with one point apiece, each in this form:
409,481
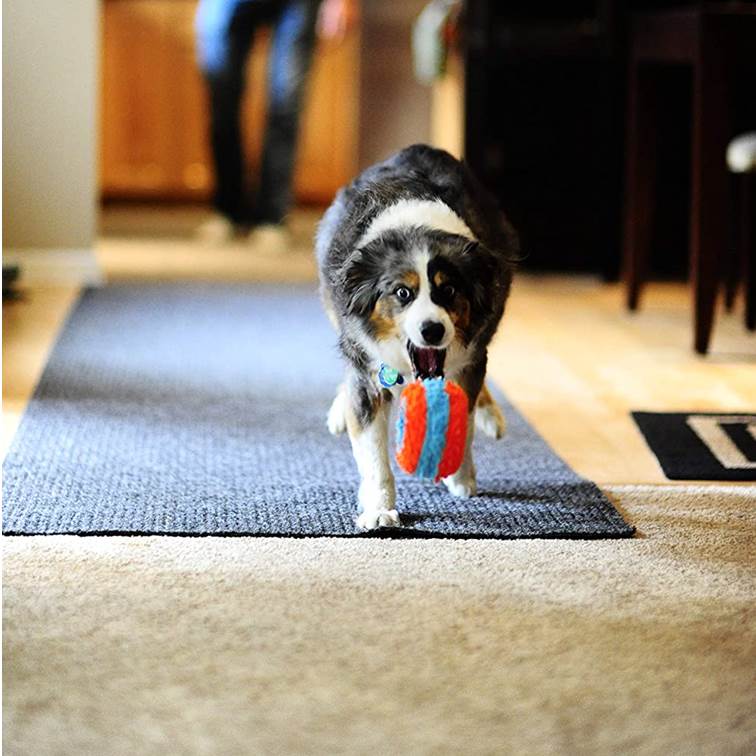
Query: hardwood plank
576,364
30,328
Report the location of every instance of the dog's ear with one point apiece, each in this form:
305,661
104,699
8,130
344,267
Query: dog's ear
482,271
360,283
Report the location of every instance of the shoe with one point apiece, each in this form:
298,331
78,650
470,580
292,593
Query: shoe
216,230
271,239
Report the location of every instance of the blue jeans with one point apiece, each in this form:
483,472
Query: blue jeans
225,30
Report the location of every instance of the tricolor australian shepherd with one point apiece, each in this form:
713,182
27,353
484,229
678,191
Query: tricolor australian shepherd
415,266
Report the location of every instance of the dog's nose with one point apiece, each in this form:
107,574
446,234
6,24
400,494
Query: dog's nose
432,331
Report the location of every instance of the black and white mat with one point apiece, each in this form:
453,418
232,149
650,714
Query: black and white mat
702,445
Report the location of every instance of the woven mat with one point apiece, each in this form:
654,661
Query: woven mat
200,410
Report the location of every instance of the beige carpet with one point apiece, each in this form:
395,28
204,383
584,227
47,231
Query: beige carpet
325,646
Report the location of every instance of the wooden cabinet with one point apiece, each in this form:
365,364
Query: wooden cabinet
153,118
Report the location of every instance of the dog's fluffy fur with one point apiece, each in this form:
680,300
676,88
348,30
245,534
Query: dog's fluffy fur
415,265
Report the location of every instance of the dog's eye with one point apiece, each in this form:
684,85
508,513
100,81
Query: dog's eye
448,291
403,294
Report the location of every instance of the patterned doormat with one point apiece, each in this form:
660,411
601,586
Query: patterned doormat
702,445
200,410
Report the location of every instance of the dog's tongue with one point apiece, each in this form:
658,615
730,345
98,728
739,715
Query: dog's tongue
428,363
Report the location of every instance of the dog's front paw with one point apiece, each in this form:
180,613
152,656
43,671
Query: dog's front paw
463,486
490,421
378,518
336,421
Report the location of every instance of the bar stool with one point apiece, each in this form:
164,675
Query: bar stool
712,40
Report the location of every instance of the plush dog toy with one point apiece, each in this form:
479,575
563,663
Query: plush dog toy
431,428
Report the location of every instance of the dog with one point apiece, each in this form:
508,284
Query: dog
415,262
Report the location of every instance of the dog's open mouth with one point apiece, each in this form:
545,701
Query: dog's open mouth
427,363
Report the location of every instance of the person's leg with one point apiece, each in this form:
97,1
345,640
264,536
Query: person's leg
224,35
288,65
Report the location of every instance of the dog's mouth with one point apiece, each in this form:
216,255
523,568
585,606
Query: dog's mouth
426,363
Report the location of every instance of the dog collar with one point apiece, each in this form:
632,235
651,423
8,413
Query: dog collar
389,377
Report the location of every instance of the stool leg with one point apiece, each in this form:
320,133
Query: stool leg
640,179
733,255
709,184
748,246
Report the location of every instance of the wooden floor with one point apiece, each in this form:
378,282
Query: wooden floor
567,354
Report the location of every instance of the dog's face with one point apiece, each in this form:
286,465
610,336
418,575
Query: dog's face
420,296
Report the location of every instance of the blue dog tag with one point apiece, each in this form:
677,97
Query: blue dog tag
389,377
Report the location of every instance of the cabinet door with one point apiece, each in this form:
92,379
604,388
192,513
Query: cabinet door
153,114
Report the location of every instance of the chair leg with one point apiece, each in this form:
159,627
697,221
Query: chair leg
640,179
748,246
710,186
733,256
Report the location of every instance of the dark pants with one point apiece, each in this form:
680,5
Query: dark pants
225,30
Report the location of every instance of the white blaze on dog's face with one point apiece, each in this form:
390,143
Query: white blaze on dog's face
425,322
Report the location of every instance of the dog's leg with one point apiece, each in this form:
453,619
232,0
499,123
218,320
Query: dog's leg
337,415
367,423
488,416
463,482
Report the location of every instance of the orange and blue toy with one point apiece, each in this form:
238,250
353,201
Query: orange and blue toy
431,429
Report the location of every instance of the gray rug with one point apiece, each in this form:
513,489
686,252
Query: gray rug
200,409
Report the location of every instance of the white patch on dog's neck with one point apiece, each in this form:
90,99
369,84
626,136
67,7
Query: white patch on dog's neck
406,213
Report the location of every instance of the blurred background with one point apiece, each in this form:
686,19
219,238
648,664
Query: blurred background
106,111
108,167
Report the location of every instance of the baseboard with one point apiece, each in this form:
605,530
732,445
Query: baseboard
55,266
